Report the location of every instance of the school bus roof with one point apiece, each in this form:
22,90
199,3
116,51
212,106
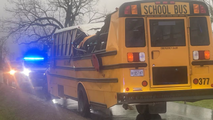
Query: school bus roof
139,4
89,29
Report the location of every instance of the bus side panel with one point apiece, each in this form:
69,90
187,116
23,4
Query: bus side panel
202,73
101,93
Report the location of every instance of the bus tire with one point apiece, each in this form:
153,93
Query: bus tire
83,105
142,109
45,90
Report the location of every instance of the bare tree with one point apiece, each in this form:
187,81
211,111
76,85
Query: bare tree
37,20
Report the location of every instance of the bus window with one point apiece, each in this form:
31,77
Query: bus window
60,44
69,37
167,33
135,34
64,44
73,36
199,31
56,45
102,41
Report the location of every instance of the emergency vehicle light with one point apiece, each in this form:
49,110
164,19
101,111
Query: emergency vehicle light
31,58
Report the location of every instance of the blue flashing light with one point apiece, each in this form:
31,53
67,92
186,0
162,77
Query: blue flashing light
33,58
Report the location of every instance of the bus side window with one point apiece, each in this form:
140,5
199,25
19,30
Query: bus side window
74,32
55,44
79,38
60,44
134,32
64,43
199,35
102,41
69,37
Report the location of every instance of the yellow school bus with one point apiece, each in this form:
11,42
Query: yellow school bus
146,53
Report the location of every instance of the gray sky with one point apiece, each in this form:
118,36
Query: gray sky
2,6
110,5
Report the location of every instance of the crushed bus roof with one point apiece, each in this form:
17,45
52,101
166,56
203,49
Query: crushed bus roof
89,29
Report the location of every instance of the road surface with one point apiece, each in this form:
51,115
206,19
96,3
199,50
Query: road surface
35,105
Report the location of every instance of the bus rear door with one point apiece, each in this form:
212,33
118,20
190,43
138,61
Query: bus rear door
169,52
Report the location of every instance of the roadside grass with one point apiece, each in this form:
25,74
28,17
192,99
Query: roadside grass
7,111
202,103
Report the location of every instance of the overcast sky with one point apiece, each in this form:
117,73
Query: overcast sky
110,5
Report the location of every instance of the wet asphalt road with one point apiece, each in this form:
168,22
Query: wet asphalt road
175,111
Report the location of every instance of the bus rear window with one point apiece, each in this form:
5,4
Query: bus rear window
167,33
199,34
134,32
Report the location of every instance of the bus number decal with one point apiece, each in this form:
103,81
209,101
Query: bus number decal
203,81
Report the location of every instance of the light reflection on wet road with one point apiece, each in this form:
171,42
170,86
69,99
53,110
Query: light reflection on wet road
175,111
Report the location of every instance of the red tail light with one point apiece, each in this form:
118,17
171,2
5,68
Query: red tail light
165,2
207,55
133,57
127,10
127,89
196,8
136,57
158,2
134,9
202,9
195,81
144,83
201,55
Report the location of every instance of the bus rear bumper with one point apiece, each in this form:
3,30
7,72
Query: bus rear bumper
164,96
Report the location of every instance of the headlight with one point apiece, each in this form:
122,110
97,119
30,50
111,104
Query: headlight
26,72
12,72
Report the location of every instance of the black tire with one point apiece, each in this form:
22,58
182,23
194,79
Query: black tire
83,105
156,117
142,109
45,91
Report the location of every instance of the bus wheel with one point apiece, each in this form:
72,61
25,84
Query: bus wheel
83,105
156,117
142,109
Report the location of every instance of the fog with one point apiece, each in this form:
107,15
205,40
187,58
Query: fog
14,49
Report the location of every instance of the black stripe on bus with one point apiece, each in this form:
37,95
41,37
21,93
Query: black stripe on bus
210,62
88,56
124,65
76,69
99,80
98,104
106,67
76,99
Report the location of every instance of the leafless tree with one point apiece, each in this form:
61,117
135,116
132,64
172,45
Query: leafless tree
32,21
210,6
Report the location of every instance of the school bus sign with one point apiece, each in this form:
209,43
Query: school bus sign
179,8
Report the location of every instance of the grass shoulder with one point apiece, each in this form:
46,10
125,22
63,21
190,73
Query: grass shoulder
203,103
